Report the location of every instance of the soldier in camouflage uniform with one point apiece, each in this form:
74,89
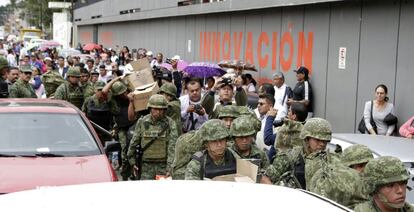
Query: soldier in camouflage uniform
99,109
245,111
156,134
86,84
288,168
387,179
356,157
242,130
169,91
226,93
22,88
51,80
288,135
216,159
71,90
187,144
118,92
228,114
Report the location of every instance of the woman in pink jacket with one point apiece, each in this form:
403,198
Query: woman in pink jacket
407,129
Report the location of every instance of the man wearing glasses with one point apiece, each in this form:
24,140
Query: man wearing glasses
71,90
22,88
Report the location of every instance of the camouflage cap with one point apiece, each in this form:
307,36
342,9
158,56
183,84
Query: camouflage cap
118,88
157,101
169,89
384,170
73,72
26,69
213,130
230,111
318,128
99,85
356,154
242,126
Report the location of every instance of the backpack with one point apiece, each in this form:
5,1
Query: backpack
187,144
338,183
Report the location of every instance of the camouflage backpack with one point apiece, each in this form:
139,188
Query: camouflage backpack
187,144
245,111
288,135
51,80
316,160
338,183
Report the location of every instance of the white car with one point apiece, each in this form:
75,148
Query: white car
167,195
398,147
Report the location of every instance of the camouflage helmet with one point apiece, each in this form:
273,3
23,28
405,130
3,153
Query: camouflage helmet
229,111
242,126
169,89
118,88
157,101
3,63
73,72
317,128
356,154
99,85
213,130
384,170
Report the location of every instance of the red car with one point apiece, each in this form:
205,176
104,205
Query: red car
48,143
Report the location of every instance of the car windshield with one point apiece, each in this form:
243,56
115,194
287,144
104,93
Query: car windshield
41,134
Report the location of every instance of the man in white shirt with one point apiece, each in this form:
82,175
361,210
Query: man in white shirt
104,75
282,93
265,103
193,114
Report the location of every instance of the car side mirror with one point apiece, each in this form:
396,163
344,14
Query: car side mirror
112,146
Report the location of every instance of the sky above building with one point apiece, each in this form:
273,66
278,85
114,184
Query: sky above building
4,2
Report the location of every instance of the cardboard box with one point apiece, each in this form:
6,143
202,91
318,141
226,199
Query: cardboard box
246,173
141,75
142,95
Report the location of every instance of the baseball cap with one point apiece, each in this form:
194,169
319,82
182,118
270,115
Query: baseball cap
149,53
302,70
176,57
48,58
26,69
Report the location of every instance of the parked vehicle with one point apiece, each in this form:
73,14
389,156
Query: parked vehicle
48,143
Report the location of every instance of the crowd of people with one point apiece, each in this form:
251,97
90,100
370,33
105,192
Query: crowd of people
195,129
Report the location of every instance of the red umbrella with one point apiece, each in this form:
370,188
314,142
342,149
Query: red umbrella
91,46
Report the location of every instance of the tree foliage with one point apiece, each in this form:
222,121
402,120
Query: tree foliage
37,13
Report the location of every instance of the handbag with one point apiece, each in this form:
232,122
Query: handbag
361,126
390,119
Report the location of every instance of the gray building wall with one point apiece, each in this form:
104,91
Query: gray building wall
376,33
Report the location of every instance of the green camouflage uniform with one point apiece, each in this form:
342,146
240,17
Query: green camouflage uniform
288,135
174,106
211,130
22,89
241,127
69,92
88,89
187,144
245,111
51,80
213,109
378,173
158,157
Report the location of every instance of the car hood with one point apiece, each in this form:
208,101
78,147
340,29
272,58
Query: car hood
24,173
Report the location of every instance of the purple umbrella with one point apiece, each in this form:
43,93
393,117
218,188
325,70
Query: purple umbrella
181,65
204,70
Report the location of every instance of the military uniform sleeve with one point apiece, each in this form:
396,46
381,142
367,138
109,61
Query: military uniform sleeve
135,141
265,161
14,92
85,106
60,92
171,144
192,171
279,166
113,107
241,97
208,102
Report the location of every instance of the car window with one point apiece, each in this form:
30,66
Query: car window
33,133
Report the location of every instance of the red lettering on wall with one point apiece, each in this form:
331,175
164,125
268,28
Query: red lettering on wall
207,45
200,51
305,52
86,37
216,46
286,39
226,42
263,38
248,55
274,52
237,44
